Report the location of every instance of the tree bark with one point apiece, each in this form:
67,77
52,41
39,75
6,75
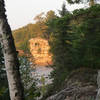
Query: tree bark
92,2
10,56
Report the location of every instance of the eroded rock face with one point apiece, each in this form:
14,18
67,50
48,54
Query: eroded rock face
39,48
76,93
81,85
98,82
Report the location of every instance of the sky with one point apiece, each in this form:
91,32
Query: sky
22,12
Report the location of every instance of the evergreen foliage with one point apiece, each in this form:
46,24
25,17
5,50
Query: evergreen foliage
75,43
63,11
91,2
59,48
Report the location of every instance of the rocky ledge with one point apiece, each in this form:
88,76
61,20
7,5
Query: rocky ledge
80,85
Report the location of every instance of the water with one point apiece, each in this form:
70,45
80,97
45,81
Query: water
43,72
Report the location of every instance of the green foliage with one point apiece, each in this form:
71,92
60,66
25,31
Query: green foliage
43,85
63,11
29,82
22,36
91,2
50,15
39,29
85,39
75,45
60,50
90,43
92,11
74,1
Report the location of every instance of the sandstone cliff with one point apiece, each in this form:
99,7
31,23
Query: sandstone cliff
39,48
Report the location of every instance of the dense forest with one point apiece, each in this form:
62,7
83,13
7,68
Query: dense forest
75,42
74,39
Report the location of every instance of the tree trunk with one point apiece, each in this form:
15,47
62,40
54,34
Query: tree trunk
10,56
92,2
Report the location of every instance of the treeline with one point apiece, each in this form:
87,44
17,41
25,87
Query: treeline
74,38
39,29
75,43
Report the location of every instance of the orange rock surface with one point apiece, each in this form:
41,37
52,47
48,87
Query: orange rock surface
39,48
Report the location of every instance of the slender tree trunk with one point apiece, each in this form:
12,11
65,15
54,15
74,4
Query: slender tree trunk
10,56
92,2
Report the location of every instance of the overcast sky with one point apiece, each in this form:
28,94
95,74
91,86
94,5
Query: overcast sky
22,12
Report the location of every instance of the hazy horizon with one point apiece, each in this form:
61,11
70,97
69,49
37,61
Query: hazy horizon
21,13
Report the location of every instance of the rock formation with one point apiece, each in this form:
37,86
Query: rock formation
98,82
39,48
81,85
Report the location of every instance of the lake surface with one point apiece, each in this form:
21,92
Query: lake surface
43,72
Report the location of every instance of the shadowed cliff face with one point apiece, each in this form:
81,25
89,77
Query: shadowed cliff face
39,48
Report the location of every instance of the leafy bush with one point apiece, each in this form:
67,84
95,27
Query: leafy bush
28,79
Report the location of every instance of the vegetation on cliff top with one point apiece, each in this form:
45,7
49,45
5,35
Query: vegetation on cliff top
38,29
